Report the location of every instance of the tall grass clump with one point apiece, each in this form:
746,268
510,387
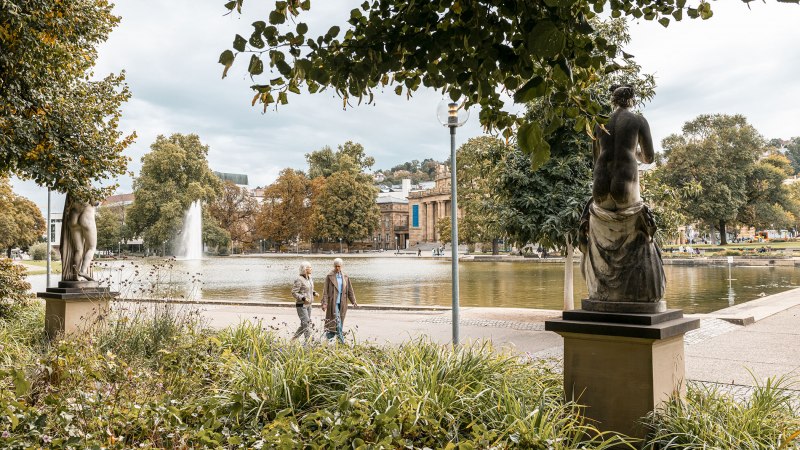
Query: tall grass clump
711,419
419,394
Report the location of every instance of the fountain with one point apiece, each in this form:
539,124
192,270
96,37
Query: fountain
191,238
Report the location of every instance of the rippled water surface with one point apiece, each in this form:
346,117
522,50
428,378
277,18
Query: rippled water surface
406,280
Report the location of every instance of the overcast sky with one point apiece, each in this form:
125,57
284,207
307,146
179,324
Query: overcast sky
742,60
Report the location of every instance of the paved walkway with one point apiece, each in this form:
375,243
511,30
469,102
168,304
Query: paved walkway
720,352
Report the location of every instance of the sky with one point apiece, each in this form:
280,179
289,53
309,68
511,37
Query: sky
741,61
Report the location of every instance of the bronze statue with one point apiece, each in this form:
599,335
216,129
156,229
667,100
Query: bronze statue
78,240
621,262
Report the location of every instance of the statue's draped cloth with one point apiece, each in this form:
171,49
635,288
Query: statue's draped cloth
621,262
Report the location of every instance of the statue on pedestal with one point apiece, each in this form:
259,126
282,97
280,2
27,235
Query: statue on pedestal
78,240
621,262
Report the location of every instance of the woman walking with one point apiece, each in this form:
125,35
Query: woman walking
335,294
303,293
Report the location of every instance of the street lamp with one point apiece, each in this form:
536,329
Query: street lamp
340,246
396,249
50,234
453,115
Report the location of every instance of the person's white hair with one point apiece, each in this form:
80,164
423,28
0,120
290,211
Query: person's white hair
303,266
338,262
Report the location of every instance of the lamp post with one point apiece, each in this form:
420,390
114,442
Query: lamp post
453,115
396,248
340,246
49,238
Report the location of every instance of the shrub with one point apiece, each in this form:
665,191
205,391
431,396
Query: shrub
38,252
13,287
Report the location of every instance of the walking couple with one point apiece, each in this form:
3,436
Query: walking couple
336,292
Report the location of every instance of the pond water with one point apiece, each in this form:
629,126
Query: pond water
407,280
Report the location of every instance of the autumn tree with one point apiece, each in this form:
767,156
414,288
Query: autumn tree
174,174
718,152
792,147
477,183
234,210
21,222
58,126
285,213
346,208
477,51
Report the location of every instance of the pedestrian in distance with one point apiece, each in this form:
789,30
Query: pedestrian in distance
335,295
304,293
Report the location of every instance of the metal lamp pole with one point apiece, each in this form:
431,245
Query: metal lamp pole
49,238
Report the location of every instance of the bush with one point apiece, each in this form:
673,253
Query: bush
38,252
13,287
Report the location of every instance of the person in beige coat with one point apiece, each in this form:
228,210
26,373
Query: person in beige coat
335,295
304,293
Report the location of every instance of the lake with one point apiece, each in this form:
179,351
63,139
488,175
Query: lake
408,280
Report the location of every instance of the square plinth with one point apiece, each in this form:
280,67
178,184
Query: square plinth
620,371
73,310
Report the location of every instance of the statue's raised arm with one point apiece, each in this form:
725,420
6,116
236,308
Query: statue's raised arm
621,262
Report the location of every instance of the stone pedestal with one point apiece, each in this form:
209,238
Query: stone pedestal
622,365
74,306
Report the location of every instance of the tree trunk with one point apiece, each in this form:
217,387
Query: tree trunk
569,303
495,246
723,239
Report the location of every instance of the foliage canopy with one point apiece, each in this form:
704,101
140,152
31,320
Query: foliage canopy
57,126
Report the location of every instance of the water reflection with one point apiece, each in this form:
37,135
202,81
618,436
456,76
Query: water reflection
425,281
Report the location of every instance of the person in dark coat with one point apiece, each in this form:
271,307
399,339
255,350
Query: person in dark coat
336,292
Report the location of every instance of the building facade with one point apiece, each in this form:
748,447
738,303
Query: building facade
427,206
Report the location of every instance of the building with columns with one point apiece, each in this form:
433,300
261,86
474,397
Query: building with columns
427,206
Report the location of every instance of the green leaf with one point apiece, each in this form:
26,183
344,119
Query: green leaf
664,21
276,18
226,59
230,5
540,156
302,28
21,384
333,32
534,88
256,66
239,43
545,40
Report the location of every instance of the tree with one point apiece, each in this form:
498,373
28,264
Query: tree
769,203
58,127
477,174
479,51
718,152
444,228
792,150
349,157
544,205
174,174
21,222
235,212
346,209
666,202
109,228
285,214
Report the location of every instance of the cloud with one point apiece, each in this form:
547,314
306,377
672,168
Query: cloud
741,61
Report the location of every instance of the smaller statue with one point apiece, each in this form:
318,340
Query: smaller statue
78,240
621,262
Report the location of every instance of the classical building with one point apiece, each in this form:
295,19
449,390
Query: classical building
392,232
427,206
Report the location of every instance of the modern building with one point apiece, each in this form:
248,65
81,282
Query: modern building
427,206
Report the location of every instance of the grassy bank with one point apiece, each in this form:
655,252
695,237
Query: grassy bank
159,379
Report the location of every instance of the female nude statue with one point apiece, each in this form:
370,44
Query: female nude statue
78,240
621,262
